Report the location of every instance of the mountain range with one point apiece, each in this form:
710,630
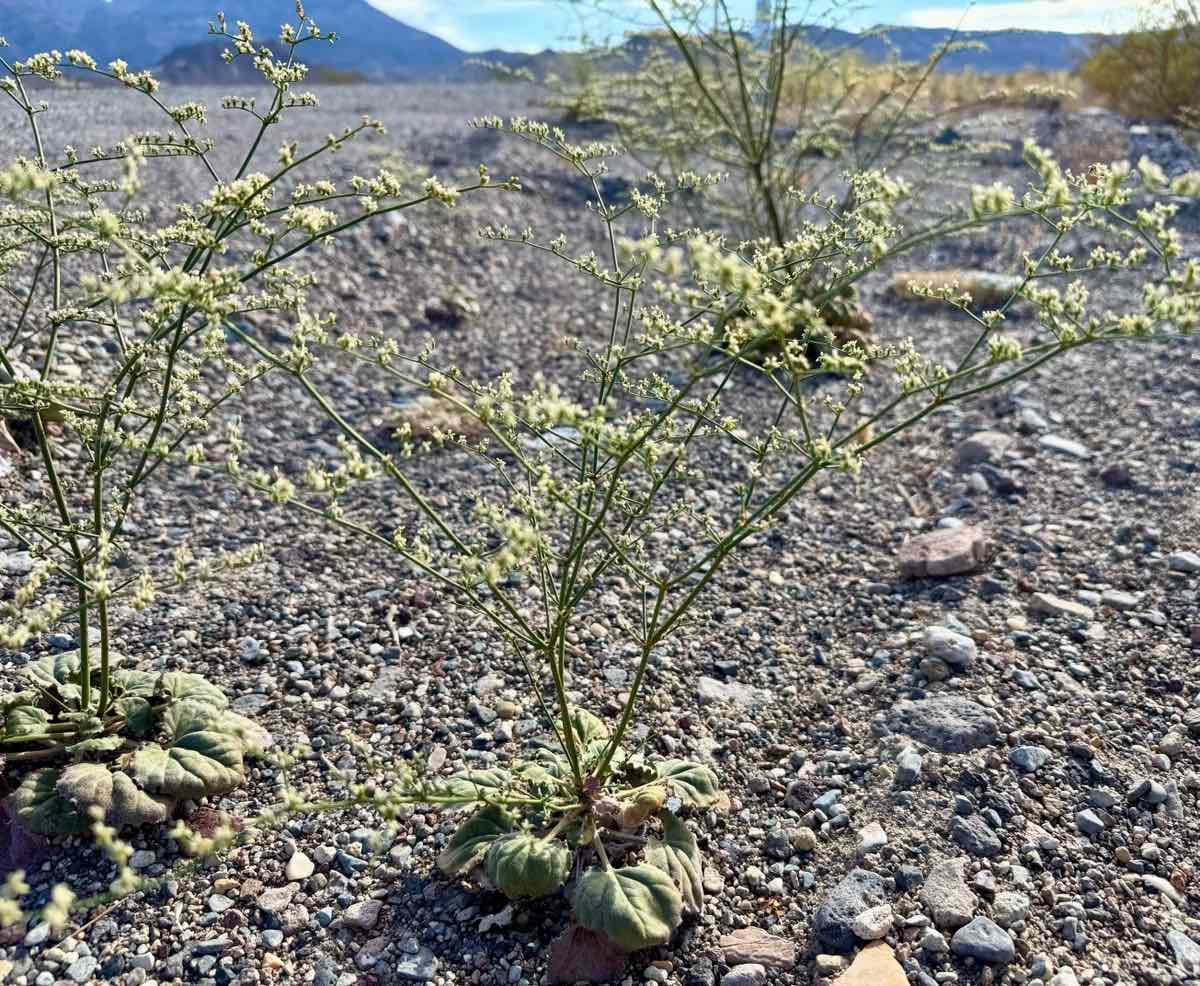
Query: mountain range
377,46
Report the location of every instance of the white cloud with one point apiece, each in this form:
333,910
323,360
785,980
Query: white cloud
1075,16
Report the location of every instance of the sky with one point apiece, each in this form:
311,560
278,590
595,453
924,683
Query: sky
530,25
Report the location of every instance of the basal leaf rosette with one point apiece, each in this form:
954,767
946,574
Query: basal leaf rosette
635,906
677,855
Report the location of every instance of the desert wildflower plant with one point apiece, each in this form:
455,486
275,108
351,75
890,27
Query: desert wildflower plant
585,481
115,360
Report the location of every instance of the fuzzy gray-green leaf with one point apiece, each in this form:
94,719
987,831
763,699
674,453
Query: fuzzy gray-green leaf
41,809
473,839
471,787
25,720
693,784
182,687
88,785
678,855
636,906
97,744
522,865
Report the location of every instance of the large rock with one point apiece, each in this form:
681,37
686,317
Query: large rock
875,965
946,896
956,649
944,722
832,925
975,836
983,446
985,941
950,551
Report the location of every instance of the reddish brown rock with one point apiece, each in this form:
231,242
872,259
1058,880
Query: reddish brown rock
754,945
875,965
948,551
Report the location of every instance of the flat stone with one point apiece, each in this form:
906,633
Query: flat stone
873,923
947,551
945,895
1065,446
757,947
984,940
1115,599
908,767
81,970
1184,561
1187,952
1044,602
832,923
946,723
710,690
299,867
956,649
418,968
276,899
364,915
875,965
1089,823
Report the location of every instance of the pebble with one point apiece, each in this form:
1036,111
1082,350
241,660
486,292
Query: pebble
975,836
984,940
748,974
418,968
956,649
1088,822
1010,907
944,552
1187,952
875,965
1065,446
908,767
1044,602
946,896
299,867
874,922
81,970
1028,758
710,691
871,838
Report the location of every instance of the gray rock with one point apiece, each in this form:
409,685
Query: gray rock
832,924
975,836
945,723
871,838
1088,822
709,690
80,971
956,649
1009,908
418,968
1184,561
983,446
1115,599
299,867
748,974
946,896
1187,952
934,942
873,923
984,940
1028,758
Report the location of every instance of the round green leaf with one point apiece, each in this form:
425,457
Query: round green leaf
97,744
693,784
587,726
202,759
41,809
523,865
254,738
133,682
635,906
137,713
473,839
678,855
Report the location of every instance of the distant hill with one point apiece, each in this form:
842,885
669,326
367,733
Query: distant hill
373,45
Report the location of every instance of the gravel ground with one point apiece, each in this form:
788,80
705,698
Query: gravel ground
1028,773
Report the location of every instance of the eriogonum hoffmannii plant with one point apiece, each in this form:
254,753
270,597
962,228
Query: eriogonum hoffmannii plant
114,359
611,476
